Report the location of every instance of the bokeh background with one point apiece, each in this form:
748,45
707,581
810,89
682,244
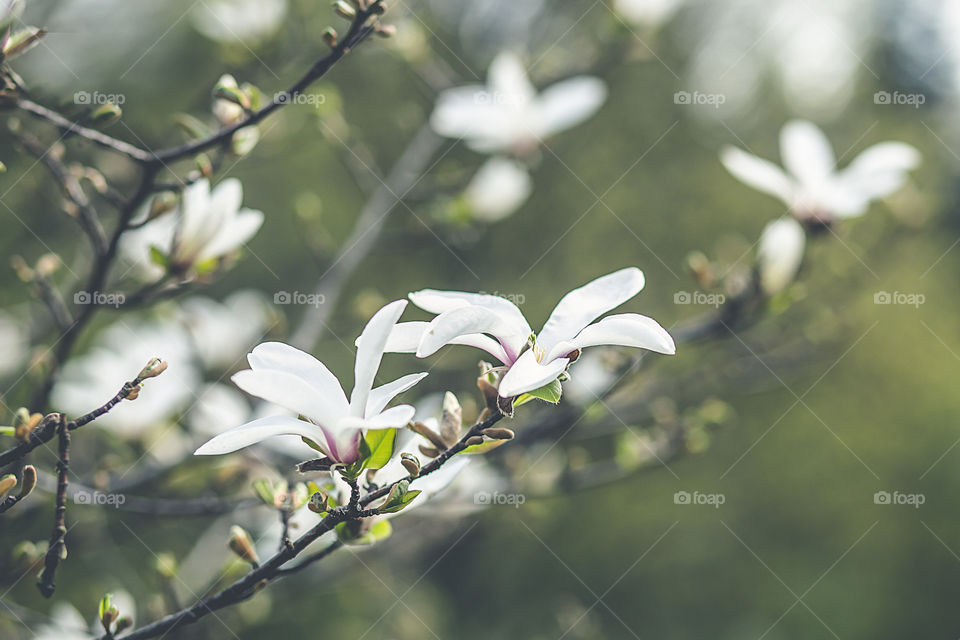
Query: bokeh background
826,399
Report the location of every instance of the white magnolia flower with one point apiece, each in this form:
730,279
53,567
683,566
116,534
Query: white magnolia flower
508,114
222,332
246,21
499,188
810,183
118,354
206,225
300,383
471,319
780,254
14,344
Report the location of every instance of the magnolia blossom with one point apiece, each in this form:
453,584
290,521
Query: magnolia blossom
497,326
508,114
206,225
116,356
814,190
245,21
300,383
499,188
222,332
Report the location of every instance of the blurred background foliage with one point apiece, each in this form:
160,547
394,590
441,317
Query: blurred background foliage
862,398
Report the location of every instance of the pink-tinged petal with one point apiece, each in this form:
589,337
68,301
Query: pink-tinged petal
291,392
806,153
527,374
757,173
569,103
235,232
582,306
436,301
277,355
253,432
381,396
456,324
370,349
624,330
780,254
405,338
392,418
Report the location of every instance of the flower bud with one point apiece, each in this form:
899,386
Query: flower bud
430,452
22,41
7,484
330,37
133,394
106,114
344,10
3,168
498,433
379,9
428,433
24,424
385,30
166,565
241,544
318,503
264,491
152,369
28,480
123,624
451,419
410,463
474,440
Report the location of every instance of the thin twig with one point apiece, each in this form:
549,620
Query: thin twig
57,549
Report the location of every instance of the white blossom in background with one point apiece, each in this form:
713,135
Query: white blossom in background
222,332
240,21
206,225
647,13
116,356
67,623
14,344
498,189
508,114
497,326
811,51
814,190
590,376
300,383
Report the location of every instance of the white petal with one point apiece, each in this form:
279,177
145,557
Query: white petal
569,103
381,396
277,355
405,338
508,80
498,189
235,232
875,173
253,432
370,349
527,374
467,112
757,173
392,418
290,391
625,330
194,206
806,152
585,304
463,321
780,254
436,301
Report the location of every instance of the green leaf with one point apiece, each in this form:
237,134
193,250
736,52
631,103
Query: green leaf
550,392
380,444
158,257
104,605
354,533
7,431
398,498
483,447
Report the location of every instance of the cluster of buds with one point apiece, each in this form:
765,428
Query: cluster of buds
27,483
24,424
280,495
110,619
448,433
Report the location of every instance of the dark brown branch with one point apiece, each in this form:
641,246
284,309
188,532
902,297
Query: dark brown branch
57,549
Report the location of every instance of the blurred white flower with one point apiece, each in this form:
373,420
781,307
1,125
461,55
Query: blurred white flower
118,353
300,383
14,344
508,115
810,183
205,226
222,332
246,21
533,360
647,13
498,189
780,254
